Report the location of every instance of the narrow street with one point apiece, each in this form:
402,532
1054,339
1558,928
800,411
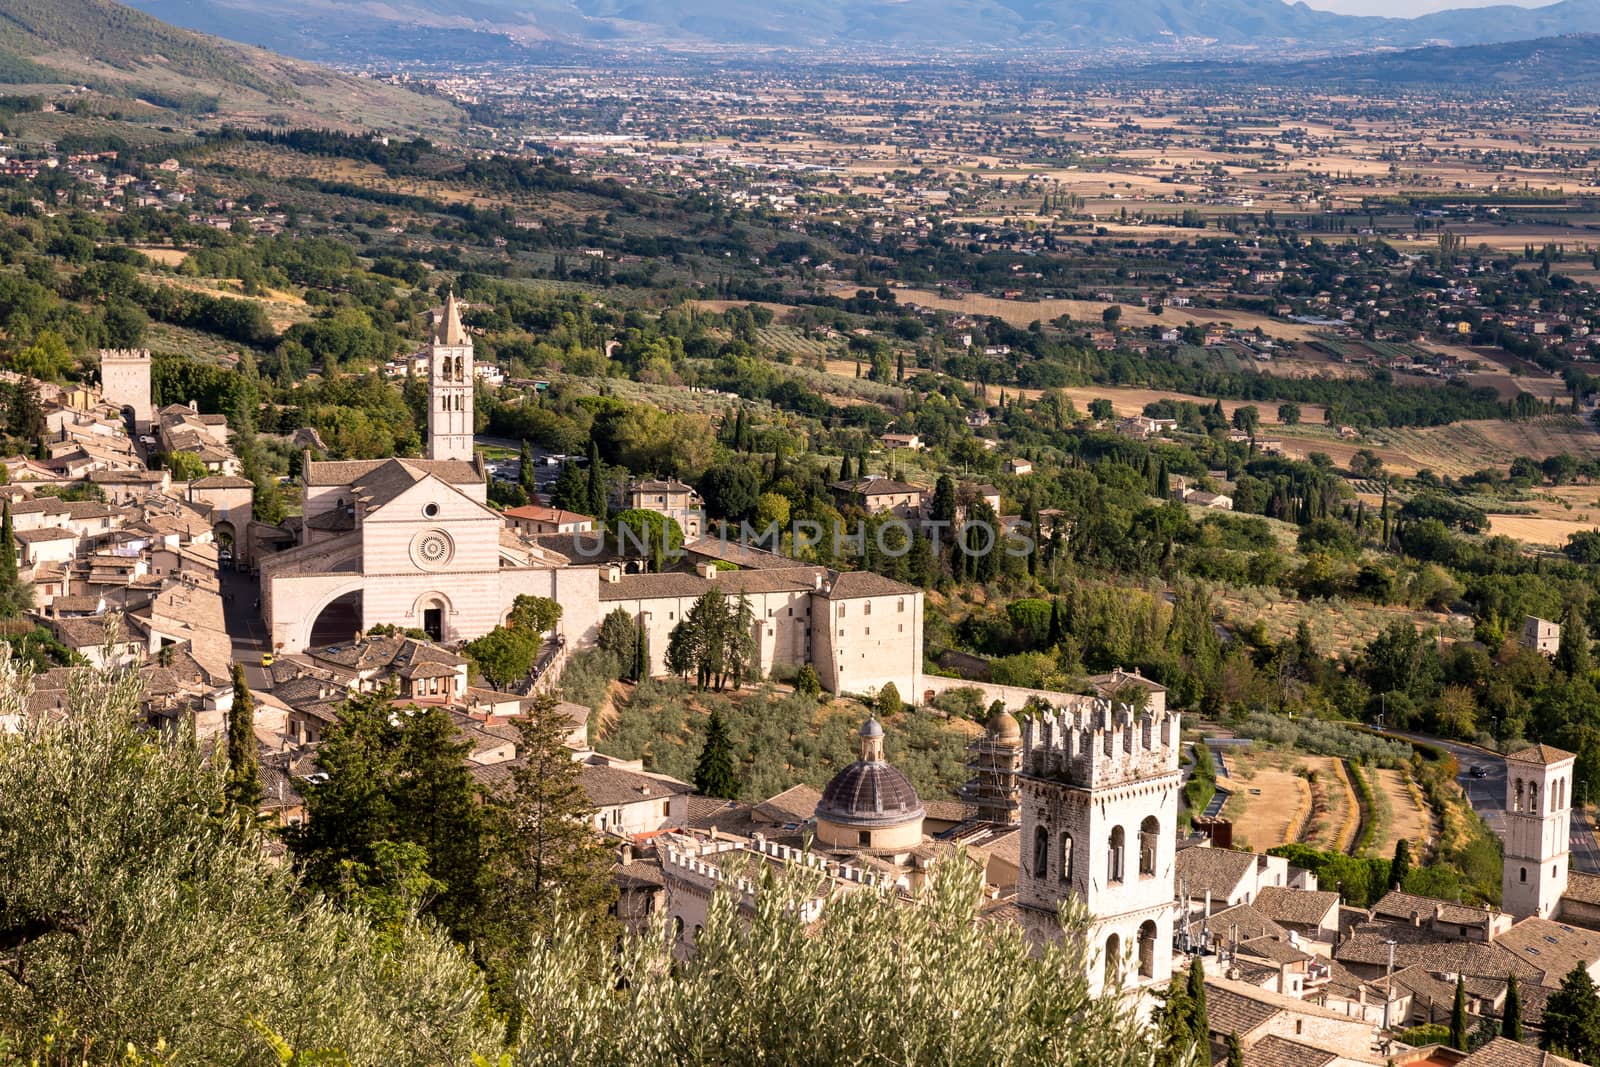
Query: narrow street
243,618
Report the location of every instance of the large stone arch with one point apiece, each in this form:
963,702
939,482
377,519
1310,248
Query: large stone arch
293,618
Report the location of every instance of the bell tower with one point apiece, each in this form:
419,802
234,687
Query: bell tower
1538,830
450,380
1099,796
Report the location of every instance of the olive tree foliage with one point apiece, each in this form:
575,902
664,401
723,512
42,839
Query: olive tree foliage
135,914
875,982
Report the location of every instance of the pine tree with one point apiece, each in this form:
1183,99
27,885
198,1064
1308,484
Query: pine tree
714,774
1235,1051
244,772
844,468
1511,1013
1400,866
543,847
1572,1018
1458,1017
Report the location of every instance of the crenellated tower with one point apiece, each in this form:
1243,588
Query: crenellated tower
1099,796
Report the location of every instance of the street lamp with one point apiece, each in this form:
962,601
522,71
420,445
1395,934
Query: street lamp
1388,984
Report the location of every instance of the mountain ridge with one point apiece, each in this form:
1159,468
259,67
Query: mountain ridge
323,27
123,52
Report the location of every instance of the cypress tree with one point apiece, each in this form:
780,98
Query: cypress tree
641,653
244,773
1511,1014
9,583
844,468
1200,1022
1235,1051
714,774
597,494
525,476
1458,1017
1400,866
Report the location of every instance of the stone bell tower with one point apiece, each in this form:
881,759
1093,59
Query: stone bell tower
1099,794
450,380
1538,830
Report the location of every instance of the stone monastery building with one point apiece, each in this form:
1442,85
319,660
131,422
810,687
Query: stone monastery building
414,543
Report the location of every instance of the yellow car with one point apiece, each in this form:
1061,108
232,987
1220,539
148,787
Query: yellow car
266,659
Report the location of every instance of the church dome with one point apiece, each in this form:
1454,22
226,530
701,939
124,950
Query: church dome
1003,728
869,794
869,804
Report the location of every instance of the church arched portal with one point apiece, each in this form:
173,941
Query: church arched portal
432,613
338,622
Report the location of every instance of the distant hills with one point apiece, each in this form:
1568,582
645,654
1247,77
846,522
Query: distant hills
124,52
441,28
1570,62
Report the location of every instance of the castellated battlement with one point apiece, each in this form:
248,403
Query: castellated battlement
124,355
702,866
1095,743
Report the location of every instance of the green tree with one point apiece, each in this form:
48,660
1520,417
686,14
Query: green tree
599,1003
504,654
244,772
133,916
1200,1017
1235,1051
1572,1018
807,682
619,637
641,533
396,775
536,614
889,703
571,491
47,359
1572,654
526,475
1458,1016
1511,1012
731,490
548,869
1289,414
1400,866
16,596
185,466
714,774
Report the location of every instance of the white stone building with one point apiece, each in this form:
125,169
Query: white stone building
1538,817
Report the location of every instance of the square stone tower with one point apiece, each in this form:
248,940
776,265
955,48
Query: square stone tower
125,383
450,380
1100,783
1538,830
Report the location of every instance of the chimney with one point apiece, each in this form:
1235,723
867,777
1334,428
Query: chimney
708,569
614,573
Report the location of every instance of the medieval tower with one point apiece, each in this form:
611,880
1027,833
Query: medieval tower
125,383
1099,795
450,380
1538,825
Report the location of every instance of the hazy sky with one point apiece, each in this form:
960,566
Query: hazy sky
1408,8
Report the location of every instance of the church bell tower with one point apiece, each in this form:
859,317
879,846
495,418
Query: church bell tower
450,387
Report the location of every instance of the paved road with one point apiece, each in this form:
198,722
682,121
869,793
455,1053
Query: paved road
1488,798
243,618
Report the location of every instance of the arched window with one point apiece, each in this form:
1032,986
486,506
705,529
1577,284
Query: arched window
1533,798
1113,961
1149,840
1147,949
1115,847
1522,875
1516,796
1041,852
677,927
1066,857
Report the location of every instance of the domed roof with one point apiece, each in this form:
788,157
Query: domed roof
1003,727
872,728
869,794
